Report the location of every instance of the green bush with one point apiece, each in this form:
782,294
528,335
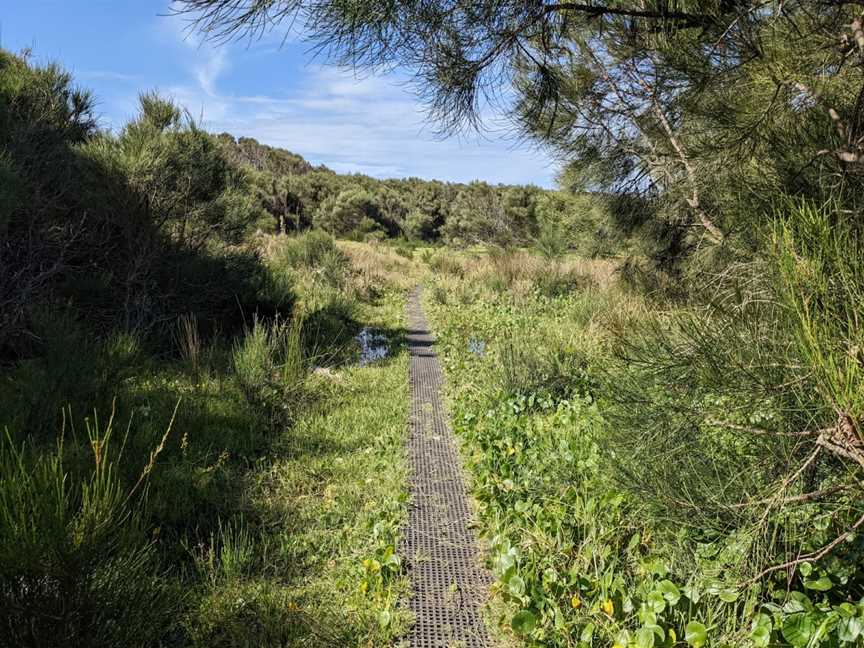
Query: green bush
551,242
316,255
270,365
129,229
556,281
306,250
404,248
77,566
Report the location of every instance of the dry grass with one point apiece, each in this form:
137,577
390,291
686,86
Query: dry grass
371,266
268,244
521,273
374,265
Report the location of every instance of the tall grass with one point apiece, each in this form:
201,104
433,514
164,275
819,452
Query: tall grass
77,566
188,340
270,365
314,249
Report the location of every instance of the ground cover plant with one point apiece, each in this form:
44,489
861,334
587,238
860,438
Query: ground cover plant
628,493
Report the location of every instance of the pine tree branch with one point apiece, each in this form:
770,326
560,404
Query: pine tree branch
688,19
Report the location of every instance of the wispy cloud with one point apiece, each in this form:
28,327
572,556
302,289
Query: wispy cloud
213,65
368,124
106,75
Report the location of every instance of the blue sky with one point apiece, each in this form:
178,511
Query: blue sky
268,89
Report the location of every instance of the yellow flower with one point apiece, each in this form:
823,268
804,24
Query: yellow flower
617,645
608,607
372,566
576,602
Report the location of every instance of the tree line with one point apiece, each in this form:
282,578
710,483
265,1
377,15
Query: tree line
296,195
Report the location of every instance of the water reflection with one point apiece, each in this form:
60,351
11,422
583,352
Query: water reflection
477,347
373,346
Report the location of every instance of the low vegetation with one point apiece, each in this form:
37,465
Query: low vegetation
220,496
636,486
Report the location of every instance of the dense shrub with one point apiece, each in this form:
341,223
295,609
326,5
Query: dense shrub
129,230
76,564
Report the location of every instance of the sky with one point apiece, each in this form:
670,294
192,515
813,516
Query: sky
272,89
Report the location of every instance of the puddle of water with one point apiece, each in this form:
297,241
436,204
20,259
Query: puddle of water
373,346
477,347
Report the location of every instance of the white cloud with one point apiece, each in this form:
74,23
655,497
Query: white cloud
368,124
214,64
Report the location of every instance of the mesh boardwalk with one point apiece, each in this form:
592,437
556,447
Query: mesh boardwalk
448,582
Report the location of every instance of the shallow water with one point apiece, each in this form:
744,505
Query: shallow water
373,346
477,347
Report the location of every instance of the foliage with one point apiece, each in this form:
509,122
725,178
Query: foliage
76,563
128,274
108,223
270,366
739,529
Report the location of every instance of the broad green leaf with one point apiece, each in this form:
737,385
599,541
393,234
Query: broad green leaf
394,561
587,633
645,637
849,629
384,618
670,592
504,564
516,586
622,638
655,602
560,624
728,595
806,569
695,634
798,628
524,621
798,601
647,616
760,630
822,584
692,592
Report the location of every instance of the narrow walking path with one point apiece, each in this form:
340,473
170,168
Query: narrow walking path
448,582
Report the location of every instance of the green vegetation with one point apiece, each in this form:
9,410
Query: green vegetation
295,196
656,371
190,454
228,499
674,458
634,489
